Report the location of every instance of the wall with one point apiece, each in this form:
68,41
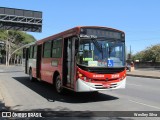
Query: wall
147,65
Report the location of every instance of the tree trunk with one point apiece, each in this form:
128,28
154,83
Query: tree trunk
7,52
17,60
14,59
9,55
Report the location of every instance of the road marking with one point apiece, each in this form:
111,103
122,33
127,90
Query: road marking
145,104
134,84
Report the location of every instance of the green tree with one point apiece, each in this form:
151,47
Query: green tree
138,56
151,54
14,40
156,52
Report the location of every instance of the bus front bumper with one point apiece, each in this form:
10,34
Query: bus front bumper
83,86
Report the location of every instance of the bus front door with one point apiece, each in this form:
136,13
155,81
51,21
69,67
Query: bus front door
69,62
26,57
38,63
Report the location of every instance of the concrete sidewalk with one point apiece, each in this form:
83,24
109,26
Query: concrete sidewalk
148,73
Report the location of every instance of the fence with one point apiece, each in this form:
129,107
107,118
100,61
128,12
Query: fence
147,65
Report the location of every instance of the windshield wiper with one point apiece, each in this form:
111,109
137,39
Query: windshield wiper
97,45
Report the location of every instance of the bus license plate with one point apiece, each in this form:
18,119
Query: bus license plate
106,85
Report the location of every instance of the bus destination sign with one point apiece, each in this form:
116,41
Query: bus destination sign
101,33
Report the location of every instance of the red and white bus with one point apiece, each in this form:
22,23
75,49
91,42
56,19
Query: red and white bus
86,58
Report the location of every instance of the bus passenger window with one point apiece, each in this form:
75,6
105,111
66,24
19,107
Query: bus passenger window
47,50
57,48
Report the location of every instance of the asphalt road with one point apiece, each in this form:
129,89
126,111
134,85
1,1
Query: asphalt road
141,94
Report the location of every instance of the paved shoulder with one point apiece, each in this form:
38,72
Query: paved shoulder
145,73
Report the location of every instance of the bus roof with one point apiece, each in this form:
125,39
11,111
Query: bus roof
72,31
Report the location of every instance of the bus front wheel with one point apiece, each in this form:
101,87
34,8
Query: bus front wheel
58,85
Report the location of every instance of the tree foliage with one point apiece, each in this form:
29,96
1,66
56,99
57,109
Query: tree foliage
150,54
16,37
12,41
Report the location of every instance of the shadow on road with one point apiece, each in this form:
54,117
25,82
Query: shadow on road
46,90
2,107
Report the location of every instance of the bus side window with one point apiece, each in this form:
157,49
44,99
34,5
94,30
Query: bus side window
47,49
57,48
31,52
35,52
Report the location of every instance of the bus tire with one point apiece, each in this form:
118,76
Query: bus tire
58,85
31,78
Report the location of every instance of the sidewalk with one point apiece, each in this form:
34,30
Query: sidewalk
148,73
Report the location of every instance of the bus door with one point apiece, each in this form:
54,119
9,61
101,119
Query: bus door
69,62
26,57
38,59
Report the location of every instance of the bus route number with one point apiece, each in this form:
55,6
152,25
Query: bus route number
115,76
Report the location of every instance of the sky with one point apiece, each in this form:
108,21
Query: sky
139,19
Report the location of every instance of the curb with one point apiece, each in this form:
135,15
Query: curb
144,76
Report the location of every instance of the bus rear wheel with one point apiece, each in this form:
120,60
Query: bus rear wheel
58,85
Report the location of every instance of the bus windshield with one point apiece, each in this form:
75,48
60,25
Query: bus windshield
101,53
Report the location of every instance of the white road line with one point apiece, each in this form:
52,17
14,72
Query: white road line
134,84
145,104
